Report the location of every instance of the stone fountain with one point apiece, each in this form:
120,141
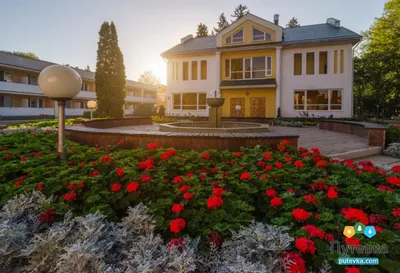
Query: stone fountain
215,111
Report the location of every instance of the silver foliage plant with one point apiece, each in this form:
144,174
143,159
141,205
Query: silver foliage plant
91,244
393,150
27,129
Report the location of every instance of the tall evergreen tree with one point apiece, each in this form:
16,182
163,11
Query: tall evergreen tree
239,12
202,30
110,74
221,24
293,23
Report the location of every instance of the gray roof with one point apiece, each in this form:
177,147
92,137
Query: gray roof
298,35
17,61
317,33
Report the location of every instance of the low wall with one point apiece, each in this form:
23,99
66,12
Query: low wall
118,122
374,133
182,141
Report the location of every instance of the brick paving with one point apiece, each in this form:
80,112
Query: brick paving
328,142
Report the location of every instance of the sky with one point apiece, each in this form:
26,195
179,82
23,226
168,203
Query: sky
66,32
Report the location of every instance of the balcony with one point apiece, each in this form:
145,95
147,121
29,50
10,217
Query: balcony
140,99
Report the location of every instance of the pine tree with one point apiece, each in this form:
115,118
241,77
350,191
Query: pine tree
110,74
221,24
239,12
293,23
202,30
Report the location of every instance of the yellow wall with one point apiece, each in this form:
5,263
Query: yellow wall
268,93
247,27
248,54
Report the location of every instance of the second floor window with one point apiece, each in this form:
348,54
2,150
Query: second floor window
194,70
235,38
259,35
185,71
203,73
248,68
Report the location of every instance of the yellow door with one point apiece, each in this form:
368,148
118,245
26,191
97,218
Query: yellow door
233,103
257,107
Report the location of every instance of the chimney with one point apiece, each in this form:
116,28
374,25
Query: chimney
276,19
333,22
186,38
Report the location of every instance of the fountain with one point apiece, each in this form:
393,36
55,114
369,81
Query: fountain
215,124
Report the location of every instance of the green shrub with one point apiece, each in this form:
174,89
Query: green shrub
393,135
144,110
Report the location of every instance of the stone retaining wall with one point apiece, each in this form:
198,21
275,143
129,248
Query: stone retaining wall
119,122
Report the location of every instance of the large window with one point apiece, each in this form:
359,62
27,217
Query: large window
189,101
318,100
323,62
185,71
259,35
6,101
33,80
248,68
235,38
8,76
297,64
194,70
203,75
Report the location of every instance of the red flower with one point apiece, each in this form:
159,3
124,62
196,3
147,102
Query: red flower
355,215
116,187
268,168
132,187
300,214
176,242
296,264
377,219
188,195
202,177
378,229
261,164
120,172
245,176
396,226
218,191
214,238
105,158
40,186
95,173
47,216
395,169
285,142
319,186
332,193
71,186
148,164
305,245
315,150
352,270
8,156
145,178
310,199
276,202
214,202
298,164
214,170
184,188
206,156
291,191
152,146
288,159
396,212
352,241
164,156
171,152
393,180
321,164
237,154
329,237
178,179
18,183
215,184
121,142
267,156
189,175
270,192
69,196
281,148
279,164
177,208
177,225
82,164
314,232
385,188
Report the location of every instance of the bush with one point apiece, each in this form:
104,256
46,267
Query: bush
393,135
144,110
208,194
393,150
163,119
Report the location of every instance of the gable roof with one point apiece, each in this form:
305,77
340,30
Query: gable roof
197,44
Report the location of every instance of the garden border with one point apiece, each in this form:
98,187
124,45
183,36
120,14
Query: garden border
118,122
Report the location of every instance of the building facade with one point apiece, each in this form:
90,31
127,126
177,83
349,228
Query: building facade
266,69
20,95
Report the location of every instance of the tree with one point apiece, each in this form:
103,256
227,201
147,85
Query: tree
239,12
221,24
293,23
110,74
202,30
29,55
148,77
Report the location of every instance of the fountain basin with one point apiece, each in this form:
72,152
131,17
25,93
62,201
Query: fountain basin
215,102
203,127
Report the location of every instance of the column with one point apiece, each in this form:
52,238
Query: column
278,78
142,90
218,72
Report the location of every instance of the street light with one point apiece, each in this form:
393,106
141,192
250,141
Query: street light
60,83
91,105
238,108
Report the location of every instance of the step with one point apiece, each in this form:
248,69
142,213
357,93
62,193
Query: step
370,151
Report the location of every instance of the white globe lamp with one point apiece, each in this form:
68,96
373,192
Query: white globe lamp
238,108
91,105
60,83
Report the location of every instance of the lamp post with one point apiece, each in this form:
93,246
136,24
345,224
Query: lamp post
238,108
91,105
60,83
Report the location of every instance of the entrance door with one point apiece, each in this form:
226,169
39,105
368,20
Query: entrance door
234,102
257,107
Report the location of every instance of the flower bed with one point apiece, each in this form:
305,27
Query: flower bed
208,194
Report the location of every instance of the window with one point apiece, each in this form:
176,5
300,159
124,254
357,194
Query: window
342,61
194,70
335,62
40,103
84,87
176,71
189,101
269,66
310,63
259,35
258,68
317,100
236,69
297,64
33,80
249,68
235,38
173,70
203,75
227,68
6,101
323,62
33,103
8,76
185,71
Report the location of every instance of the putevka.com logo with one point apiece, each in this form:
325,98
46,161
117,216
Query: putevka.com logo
350,231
